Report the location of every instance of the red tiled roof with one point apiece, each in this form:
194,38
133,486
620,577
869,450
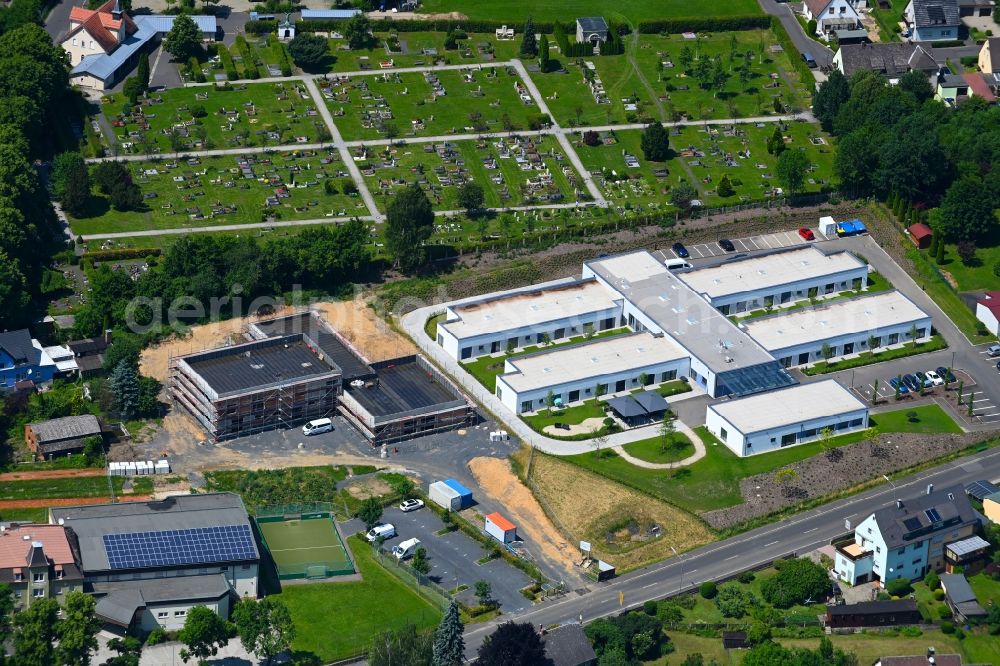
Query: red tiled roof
920,230
14,547
101,24
501,522
978,87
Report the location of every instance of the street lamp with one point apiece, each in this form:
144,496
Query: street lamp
680,584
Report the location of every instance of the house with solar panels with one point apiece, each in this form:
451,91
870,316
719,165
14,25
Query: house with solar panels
149,563
908,538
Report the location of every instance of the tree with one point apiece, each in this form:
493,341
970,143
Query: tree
796,581
309,51
93,449
529,43
512,644
667,433
917,84
402,647
265,627
939,255
725,188
733,601
655,143
125,196
776,144
124,382
543,54
449,644
967,210
358,31
420,563
370,512
832,94
78,630
708,589
791,169
184,38
35,634
203,634
471,196
682,194
966,250
409,222
64,166
484,593
133,90
76,193
142,70
129,651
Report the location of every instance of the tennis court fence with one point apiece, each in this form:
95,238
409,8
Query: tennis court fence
297,563
277,512
423,585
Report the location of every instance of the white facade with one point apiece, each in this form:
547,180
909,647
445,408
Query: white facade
585,371
171,616
833,15
988,317
846,327
786,417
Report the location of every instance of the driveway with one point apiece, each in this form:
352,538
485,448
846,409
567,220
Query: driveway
804,44
453,559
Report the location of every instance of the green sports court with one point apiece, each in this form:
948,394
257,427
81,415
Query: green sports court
303,542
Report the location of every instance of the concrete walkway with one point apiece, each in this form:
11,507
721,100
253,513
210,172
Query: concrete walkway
250,226
699,452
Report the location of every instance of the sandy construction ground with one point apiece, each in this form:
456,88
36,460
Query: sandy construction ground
67,501
585,426
51,474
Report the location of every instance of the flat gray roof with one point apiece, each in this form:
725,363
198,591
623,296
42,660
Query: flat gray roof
788,406
851,316
768,271
680,312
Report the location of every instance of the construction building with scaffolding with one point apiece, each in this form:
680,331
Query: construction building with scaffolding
240,390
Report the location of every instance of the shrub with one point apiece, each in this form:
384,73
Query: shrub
947,628
156,636
932,581
649,608
938,595
733,601
669,612
708,589
747,577
944,613
198,111
796,581
900,587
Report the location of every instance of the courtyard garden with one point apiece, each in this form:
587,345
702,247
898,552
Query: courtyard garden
207,117
512,172
230,189
391,105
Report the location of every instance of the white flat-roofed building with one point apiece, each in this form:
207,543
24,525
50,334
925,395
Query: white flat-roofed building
776,279
581,372
495,324
724,360
787,417
847,327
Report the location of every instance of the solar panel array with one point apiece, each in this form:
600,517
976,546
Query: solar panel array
933,515
912,524
980,489
202,545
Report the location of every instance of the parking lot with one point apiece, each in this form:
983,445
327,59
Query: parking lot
453,558
986,409
750,244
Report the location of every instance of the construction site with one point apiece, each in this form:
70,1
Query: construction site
296,368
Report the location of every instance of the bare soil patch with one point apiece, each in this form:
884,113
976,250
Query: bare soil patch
369,334
370,487
415,16
65,501
496,478
584,427
616,520
50,474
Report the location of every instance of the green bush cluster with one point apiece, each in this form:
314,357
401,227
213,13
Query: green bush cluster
123,253
249,63
227,64
261,27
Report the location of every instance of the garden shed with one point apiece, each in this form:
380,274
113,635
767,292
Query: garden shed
500,528
920,235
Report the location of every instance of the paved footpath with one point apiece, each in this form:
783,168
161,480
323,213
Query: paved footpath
699,452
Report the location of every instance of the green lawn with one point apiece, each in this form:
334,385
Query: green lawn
338,620
987,590
936,343
467,101
479,47
505,173
208,191
554,10
32,515
589,409
651,450
927,275
869,647
978,274
929,418
431,325
249,114
84,486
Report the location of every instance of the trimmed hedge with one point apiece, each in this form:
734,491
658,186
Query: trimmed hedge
227,63
123,253
443,25
261,27
249,64
707,23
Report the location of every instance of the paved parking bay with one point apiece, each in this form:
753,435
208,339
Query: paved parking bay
773,241
453,559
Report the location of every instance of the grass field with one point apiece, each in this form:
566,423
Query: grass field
208,191
511,173
297,545
978,274
626,10
249,114
929,418
27,515
389,105
357,610
652,450
42,489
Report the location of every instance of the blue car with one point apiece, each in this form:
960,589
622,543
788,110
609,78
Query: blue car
680,250
897,385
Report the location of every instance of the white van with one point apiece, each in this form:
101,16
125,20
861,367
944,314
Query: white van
317,426
386,531
406,549
676,264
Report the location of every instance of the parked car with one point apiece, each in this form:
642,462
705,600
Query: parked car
935,378
923,379
998,365
317,426
897,385
993,350
411,505
911,382
807,234
946,374
386,531
727,245
676,264
680,250
810,60
406,549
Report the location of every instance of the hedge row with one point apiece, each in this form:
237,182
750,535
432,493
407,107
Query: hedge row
284,59
261,27
250,70
227,63
123,253
706,23
443,25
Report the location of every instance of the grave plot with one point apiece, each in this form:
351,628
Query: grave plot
207,117
438,103
512,171
418,49
232,189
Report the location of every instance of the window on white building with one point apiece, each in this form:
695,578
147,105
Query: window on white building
180,613
38,593
162,614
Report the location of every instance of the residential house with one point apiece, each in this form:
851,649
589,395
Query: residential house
982,85
831,15
38,562
567,645
873,614
89,353
960,597
926,660
893,59
991,507
967,555
23,359
976,7
952,89
63,436
932,20
593,29
65,360
907,538
149,563
989,56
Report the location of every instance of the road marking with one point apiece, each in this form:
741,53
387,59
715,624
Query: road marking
646,587
812,530
770,544
754,241
692,571
763,239
731,558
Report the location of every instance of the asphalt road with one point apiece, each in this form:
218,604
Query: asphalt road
804,44
798,535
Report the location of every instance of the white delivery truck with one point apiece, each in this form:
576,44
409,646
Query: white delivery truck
386,531
406,549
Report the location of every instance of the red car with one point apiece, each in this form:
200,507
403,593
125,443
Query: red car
807,234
